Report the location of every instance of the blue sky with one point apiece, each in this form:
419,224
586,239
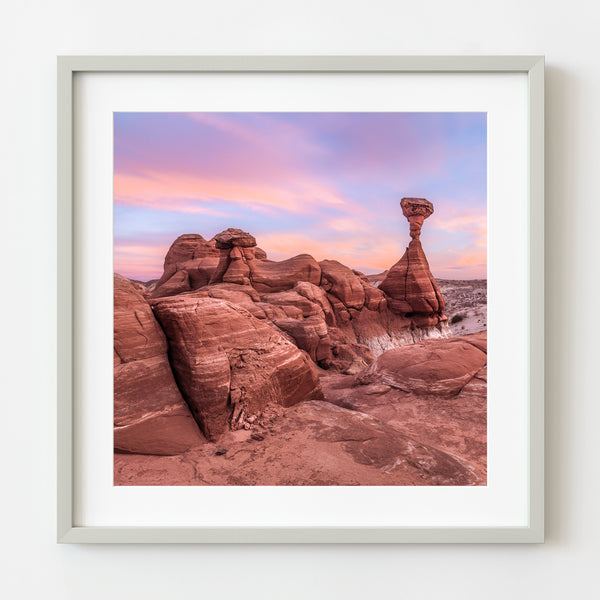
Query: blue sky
328,184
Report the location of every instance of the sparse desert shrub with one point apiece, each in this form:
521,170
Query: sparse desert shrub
456,319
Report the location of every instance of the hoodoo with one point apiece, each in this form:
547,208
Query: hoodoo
410,286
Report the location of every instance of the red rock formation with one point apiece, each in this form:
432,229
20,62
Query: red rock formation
347,356
185,248
409,284
230,257
430,367
231,238
317,296
341,282
229,363
199,270
271,276
303,307
178,283
303,299
309,334
150,416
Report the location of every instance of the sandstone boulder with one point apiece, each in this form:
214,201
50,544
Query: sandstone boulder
186,247
137,335
431,367
238,294
453,423
231,238
150,415
226,361
375,298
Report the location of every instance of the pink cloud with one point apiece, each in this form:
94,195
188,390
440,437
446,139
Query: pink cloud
161,190
140,261
353,252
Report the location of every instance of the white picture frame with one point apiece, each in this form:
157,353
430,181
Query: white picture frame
68,530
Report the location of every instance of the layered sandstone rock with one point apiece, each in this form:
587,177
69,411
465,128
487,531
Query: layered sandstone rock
365,433
188,253
230,257
341,282
430,367
410,286
229,363
232,238
271,276
150,416
421,396
416,210
309,334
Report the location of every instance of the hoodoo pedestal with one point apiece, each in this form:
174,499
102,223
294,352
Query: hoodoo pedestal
410,286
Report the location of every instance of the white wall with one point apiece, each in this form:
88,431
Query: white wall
32,33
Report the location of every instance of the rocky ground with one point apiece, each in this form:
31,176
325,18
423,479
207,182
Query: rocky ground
369,429
466,304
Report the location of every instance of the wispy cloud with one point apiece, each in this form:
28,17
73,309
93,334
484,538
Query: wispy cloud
324,183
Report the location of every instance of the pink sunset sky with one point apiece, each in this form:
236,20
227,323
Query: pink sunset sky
326,184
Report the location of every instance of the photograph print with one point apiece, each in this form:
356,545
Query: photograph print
300,299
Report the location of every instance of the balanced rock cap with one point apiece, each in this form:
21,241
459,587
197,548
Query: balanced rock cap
416,210
234,237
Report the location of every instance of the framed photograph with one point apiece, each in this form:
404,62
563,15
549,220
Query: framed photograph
302,265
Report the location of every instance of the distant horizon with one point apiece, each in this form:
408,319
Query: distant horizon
324,184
